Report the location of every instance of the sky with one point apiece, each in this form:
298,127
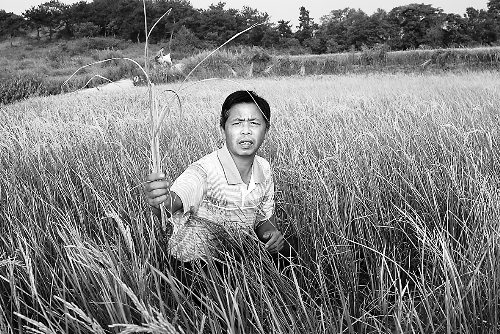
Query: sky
289,10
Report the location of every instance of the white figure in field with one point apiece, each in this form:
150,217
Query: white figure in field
163,59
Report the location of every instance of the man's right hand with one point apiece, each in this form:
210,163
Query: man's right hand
157,189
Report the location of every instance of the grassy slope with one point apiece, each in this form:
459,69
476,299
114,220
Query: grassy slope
388,183
40,68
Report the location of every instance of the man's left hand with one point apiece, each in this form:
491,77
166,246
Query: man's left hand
275,241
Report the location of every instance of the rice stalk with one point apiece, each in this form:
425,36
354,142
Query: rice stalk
80,317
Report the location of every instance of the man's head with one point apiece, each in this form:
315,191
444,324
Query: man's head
245,96
245,118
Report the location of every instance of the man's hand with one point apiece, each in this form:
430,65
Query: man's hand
275,241
156,189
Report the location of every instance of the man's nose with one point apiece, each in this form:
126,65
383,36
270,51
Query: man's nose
245,128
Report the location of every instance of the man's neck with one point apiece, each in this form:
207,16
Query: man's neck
244,165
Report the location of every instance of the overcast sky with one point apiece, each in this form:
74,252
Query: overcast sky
289,10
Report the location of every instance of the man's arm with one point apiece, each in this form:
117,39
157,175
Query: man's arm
268,232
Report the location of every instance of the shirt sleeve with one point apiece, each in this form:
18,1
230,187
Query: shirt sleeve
190,187
266,208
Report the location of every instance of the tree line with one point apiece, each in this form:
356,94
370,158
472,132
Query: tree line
404,27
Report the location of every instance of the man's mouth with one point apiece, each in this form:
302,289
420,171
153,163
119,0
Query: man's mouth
245,143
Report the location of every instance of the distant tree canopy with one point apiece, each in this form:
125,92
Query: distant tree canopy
11,25
404,27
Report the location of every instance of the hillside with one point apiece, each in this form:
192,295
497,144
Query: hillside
32,68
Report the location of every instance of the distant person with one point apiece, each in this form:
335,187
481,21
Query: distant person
159,54
231,187
161,58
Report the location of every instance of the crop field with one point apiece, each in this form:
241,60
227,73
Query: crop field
387,187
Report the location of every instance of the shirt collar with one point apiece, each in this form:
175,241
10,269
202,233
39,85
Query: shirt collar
231,171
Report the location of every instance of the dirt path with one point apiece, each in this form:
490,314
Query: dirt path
112,86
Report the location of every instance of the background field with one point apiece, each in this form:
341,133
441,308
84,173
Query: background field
36,68
387,185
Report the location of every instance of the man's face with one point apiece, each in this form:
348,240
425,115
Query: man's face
245,129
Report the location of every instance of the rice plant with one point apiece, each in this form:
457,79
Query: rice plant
387,187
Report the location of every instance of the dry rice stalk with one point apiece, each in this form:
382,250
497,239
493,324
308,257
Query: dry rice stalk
124,229
83,319
40,327
155,321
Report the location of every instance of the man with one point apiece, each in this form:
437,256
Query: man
231,187
162,59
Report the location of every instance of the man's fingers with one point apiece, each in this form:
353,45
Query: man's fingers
153,185
275,244
155,177
279,244
271,240
156,201
157,192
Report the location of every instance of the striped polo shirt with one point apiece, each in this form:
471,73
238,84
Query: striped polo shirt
214,196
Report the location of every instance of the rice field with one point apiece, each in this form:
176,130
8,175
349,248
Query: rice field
387,186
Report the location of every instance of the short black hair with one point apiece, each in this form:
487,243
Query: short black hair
245,96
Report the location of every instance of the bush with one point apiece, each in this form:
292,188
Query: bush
58,57
20,87
86,29
376,55
255,55
185,41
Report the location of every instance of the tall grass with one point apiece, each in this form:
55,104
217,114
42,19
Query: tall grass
260,63
387,186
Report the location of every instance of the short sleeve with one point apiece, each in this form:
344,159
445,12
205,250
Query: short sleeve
266,208
190,187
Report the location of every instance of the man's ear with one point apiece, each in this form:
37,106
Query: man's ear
222,132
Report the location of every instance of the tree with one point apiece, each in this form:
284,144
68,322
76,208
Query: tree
315,44
185,41
284,33
284,29
11,25
380,27
37,18
414,24
494,14
86,29
217,25
455,31
334,30
306,26
481,26
130,15
182,16
358,30
77,14
259,35
271,36
47,15
105,13
493,6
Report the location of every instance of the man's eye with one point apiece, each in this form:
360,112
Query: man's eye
255,123
236,123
